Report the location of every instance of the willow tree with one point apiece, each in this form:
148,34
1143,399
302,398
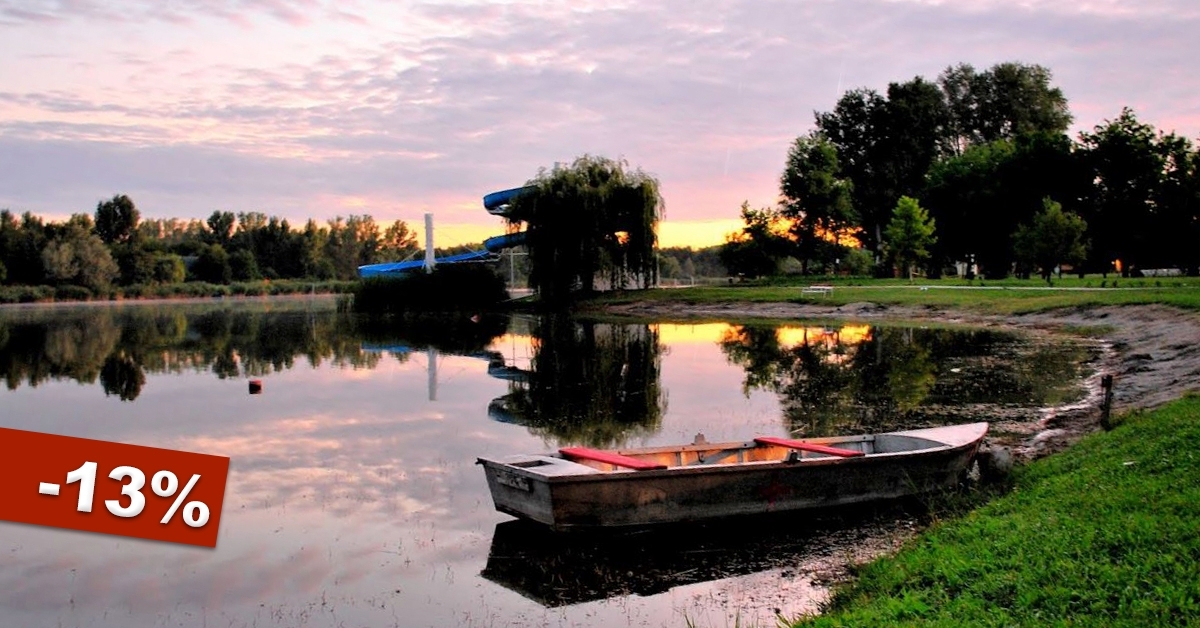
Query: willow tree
594,219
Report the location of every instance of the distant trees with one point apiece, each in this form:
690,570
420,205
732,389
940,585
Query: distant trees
760,246
692,263
220,228
351,244
979,151
114,246
398,242
887,145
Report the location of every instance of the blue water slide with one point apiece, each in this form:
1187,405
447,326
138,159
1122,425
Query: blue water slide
496,203
495,244
500,203
394,268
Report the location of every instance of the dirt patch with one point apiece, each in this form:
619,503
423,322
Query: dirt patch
1152,351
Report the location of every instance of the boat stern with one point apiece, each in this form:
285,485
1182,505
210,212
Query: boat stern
521,485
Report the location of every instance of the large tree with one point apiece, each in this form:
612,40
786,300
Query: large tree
1135,203
855,127
1004,102
220,228
117,219
1179,203
814,197
1054,237
885,145
593,219
916,135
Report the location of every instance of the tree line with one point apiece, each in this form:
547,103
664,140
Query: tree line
976,167
115,246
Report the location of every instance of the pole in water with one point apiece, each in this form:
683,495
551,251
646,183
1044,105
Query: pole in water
431,368
430,262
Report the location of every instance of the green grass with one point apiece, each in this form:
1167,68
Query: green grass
1011,296
1104,534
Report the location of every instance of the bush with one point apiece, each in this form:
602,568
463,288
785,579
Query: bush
136,264
169,268
859,262
449,288
25,294
213,265
72,293
138,291
243,266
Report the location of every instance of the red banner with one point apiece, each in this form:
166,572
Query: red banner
98,486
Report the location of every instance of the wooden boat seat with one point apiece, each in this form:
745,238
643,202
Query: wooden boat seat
613,458
717,456
813,447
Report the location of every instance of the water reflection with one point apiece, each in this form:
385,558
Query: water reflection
353,499
450,333
590,383
119,346
869,378
558,569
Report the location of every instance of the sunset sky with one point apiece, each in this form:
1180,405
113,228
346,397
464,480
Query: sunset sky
310,108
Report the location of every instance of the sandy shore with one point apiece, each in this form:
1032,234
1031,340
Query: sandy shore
1152,352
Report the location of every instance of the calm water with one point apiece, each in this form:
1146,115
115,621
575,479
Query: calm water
353,498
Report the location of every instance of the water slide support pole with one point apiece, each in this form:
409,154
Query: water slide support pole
430,262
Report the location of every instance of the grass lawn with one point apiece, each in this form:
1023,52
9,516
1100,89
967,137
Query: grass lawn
1010,296
1104,534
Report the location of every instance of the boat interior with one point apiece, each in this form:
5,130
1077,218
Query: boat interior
583,460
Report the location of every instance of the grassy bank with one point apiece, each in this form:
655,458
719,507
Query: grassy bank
1010,296
1106,533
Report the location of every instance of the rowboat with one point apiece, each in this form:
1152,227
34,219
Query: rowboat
582,487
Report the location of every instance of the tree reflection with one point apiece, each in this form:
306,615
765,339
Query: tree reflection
447,332
123,377
589,383
831,381
120,345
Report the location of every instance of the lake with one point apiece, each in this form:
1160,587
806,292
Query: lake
353,498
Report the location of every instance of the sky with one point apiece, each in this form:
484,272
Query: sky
315,108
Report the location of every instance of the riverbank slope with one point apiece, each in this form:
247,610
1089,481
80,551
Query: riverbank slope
1103,533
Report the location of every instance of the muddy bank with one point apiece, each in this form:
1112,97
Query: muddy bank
1152,351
